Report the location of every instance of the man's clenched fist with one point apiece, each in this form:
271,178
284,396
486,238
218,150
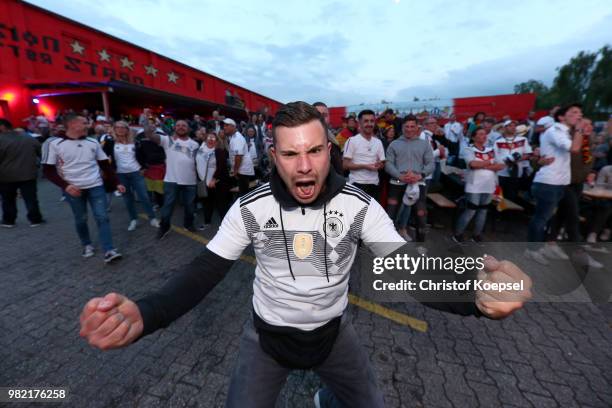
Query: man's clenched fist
111,322
498,305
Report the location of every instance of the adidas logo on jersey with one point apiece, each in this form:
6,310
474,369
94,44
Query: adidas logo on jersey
271,223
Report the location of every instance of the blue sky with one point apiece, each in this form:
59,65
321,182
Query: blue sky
348,52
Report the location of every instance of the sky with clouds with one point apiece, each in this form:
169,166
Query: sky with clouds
348,52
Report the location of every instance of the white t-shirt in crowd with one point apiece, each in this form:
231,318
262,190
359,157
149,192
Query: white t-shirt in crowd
504,147
238,147
180,160
453,131
206,158
363,151
125,158
481,181
77,161
252,149
427,136
492,138
555,142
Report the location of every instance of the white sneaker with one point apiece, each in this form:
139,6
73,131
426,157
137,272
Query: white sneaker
111,255
536,256
404,234
605,235
587,260
599,250
88,251
592,238
132,225
561,234
154,223
553,251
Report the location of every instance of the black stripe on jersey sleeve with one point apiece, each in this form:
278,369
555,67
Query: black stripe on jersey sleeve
257,190
358,191
355,195
242,204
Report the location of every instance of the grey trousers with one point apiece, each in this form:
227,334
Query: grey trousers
258,379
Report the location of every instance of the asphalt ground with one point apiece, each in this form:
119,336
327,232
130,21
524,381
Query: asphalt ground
546,355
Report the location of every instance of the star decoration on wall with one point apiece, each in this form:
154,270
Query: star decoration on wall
172,77
77,48
126,63
151,70
104,56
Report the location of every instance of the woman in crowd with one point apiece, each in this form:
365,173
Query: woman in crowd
477,120
480,183
211,164
251,134
601,220
388,135
122,152
153,159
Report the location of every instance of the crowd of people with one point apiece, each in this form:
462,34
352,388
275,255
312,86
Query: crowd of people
295,178
205,163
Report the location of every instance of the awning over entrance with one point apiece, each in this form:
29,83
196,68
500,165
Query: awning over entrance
118,97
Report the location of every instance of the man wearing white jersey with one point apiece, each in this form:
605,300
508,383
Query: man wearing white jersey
180,178
453,132
241,162
73,163
556,146
439,151
364,155
300,287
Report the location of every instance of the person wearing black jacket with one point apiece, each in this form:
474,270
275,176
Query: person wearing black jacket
153,160
122,153
211,165
19,154
300,291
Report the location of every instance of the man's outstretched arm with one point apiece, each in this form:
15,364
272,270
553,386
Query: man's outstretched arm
115,321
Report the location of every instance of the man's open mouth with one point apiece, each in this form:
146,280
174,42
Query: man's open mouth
305,189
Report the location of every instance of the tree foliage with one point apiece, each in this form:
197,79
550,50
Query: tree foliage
586,78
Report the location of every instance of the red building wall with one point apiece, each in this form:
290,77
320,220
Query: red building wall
37,46
517,106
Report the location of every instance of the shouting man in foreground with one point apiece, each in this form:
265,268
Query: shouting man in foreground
301,280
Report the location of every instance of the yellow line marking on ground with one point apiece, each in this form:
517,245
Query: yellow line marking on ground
397,317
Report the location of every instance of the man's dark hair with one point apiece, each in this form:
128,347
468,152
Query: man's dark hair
6,123
295,114
563,110
478,114
69,117
388,111
490,119
476,129
365,112
409,118
319,104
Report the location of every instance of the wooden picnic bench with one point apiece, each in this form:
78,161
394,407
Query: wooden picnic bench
441,201
252,185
